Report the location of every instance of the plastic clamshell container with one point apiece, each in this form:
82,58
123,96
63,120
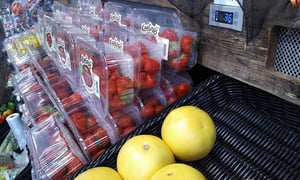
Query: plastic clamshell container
46,67
183,48
90,7
181,82
89,24
15,48
93,133
125,119
34,48
54,153
48,39
150,21
167,90
150,102
91,72
150,62
120,72
118,12
66,62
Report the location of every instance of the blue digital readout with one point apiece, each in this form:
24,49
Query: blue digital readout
224,17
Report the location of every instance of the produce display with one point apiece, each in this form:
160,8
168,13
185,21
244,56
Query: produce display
88,76
146,156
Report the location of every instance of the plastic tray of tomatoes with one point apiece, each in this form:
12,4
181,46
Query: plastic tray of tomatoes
106,74
39,104
54,154
125,119
117,12
93,131
257,133
65,36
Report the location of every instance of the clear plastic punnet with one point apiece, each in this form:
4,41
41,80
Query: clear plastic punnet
66,62
89,24
118,12
150,102
125,119
107,75
90,7
93,132
150,62
181,82
16,49
150,20
37,101
182,50
34,47
48,39
54,154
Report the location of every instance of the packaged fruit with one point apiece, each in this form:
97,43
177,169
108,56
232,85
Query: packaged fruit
93,133
125,119
16,48
182,49
49,42
107,77
66,62
167,90
90,7
54,153
118,12
181,82
150,63
89,24
150,18
150,102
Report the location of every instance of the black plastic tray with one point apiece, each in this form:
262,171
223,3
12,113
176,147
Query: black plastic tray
258,134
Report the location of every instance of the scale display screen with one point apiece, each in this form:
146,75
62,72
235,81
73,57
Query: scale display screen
224,17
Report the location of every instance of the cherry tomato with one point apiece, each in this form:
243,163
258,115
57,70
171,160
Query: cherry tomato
147,111
159,108
150,65
186,43
181,62
170,34
182,89
151,100
147,80
128,130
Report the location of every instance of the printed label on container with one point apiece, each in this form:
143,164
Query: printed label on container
149,28
49,38
164,47
115,17
86,29
69,19
118,44
64,55
92,10
90,80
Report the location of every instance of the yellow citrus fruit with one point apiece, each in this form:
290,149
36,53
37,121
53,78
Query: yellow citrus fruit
97,173
189,132
141,156
178,171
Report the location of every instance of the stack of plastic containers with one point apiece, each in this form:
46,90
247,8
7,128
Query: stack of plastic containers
104,70
55,155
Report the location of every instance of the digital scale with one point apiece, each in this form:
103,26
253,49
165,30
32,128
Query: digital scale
226,14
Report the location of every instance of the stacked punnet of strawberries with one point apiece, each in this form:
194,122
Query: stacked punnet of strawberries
110,67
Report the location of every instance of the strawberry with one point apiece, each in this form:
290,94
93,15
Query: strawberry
170,34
